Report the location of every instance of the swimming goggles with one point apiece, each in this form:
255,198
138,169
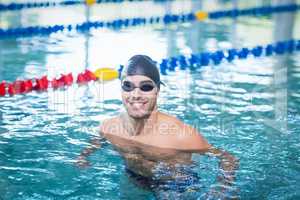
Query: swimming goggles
145,86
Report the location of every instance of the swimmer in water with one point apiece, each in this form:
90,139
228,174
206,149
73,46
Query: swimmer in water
146,137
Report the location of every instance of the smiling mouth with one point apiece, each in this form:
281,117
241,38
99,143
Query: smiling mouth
137,103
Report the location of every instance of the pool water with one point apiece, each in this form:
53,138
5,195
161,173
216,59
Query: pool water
248,107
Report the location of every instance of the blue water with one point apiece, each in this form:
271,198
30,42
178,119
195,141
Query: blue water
248,107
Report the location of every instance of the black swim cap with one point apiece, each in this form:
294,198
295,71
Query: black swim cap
142,65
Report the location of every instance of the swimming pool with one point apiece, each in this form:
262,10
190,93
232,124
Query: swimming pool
248,107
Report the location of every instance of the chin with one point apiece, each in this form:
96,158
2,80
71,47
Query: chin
139,115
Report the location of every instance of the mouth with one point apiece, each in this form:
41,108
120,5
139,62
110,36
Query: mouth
137,103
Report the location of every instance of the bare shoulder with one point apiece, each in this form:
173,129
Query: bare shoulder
191,138
110,126
182,136
169,119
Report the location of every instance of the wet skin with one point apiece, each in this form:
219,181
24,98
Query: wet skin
141,153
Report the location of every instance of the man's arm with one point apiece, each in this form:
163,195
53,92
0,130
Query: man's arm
94,144
228,164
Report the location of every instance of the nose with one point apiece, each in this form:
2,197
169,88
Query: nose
136,93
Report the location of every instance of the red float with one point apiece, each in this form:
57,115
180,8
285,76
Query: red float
27,86
85,77
55,83
2,88
41,84
80,79
18,87
64,80
89,76
11,89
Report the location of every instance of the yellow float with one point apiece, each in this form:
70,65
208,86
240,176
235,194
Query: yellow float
201,15
90,2
106,74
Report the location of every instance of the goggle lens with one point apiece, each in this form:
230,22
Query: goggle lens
128,86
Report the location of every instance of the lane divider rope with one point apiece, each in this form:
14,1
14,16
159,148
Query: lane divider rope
138,21
29,5
191,62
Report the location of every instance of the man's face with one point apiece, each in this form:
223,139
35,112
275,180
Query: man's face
138,103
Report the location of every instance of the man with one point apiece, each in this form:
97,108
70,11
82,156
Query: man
146,137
